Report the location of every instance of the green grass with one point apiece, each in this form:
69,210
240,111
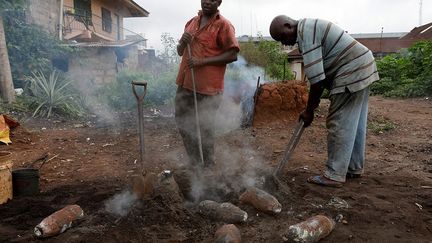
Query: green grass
380,125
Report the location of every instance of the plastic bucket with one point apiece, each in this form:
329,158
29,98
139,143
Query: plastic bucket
25,182
5,176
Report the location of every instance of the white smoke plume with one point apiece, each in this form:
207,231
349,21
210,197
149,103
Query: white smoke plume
121,203
238,165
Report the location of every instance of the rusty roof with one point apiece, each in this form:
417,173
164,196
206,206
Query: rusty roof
423,32
135,9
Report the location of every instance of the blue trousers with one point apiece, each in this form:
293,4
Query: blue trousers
346,140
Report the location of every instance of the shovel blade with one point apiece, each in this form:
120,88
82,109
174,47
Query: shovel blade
143,185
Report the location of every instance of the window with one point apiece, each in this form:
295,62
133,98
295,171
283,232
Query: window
83,12
106,20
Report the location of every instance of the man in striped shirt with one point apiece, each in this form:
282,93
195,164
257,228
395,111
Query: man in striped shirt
335,61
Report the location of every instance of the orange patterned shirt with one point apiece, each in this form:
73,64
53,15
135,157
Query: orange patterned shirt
217,37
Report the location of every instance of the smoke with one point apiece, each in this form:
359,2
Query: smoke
103,112
236,169
120,204
240,86
238,164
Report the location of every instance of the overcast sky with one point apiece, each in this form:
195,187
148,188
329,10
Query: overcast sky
252,16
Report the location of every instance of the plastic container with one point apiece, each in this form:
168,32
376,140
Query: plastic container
6,189
59,221
25,182
225,212
261,200
228,233
310,230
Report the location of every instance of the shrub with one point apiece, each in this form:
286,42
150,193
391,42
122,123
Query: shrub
29,47
407,73
160,90
52,95
269,55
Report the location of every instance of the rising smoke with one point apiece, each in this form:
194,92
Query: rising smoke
236,168
120,204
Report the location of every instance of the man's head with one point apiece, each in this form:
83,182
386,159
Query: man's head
210,7
284,30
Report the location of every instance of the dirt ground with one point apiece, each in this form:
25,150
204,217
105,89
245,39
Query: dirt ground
392,202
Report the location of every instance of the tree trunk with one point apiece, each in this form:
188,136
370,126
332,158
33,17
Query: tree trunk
7,91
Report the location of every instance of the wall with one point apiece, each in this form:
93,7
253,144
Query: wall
96,8
88,67
98,65
385,45
45,14
296,67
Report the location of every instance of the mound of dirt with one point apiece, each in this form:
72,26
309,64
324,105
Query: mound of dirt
282,101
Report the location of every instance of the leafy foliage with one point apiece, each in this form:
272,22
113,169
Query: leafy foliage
29,47
52,95
169,53
118,94
267,54
406,74
12,4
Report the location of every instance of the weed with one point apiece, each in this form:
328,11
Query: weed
380,125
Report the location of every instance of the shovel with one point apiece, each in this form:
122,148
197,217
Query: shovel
272,182
143,184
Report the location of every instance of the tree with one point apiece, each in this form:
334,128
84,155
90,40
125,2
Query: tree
169,54
269,55
6,84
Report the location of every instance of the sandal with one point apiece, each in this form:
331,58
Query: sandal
323,181
353,176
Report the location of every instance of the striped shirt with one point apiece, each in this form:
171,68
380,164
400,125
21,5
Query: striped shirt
332,54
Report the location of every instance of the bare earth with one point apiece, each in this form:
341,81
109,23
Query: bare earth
391,203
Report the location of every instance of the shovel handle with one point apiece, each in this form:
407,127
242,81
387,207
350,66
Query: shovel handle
139,97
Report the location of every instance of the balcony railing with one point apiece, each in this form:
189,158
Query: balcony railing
78,20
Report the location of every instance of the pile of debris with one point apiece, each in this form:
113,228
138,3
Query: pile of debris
281,101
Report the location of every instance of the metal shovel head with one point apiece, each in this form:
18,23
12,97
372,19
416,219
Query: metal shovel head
272,182
143,185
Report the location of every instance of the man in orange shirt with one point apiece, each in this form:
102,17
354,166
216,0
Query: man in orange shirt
213,45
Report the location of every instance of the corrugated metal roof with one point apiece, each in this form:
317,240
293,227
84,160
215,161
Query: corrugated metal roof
137,10
423,32
122,43
378,35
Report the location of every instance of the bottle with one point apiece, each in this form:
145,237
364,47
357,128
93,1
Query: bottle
310,230
59,221
228,233
225,212
261,200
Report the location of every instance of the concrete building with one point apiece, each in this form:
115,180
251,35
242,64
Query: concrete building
95,27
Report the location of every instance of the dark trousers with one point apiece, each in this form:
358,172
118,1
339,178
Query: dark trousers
186,123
